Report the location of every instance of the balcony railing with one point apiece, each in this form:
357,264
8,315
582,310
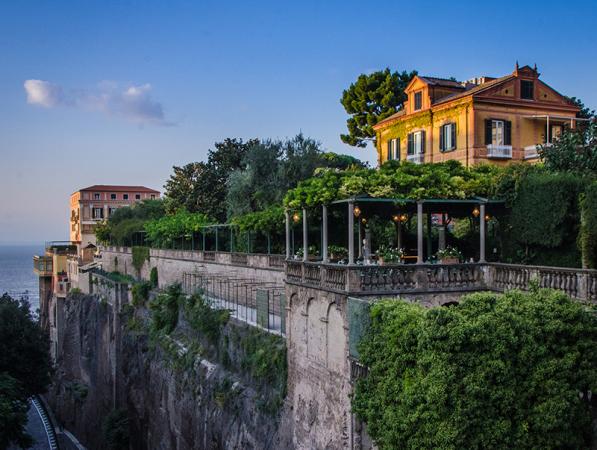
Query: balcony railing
42,266
417,158
499,151
420,278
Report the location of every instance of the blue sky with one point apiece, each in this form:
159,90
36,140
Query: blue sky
127,89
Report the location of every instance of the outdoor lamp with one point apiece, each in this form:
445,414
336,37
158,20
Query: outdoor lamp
487,217
476,212
364,220
403,218
396,218
357,211
296,217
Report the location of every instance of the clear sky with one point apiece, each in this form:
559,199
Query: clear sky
116,92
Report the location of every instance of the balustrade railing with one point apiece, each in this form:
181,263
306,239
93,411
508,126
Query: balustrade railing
405,278
239,259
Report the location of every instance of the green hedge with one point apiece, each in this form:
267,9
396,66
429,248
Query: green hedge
588,228
496,371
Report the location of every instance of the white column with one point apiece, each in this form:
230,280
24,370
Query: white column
482,233
305,238
419,232
324,225
350,233
287,214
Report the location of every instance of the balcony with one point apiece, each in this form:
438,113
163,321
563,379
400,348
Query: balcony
499,151
417,158
42,266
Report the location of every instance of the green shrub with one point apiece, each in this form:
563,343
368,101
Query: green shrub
115,430
497,371
153,277
588,227
140,255
164,310
205,319
140,293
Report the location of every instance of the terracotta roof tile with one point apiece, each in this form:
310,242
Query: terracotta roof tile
118,188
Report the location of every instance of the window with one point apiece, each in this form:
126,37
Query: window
418,100
97,213
125,196
111,211
112,196
152,197
498,132
526,89
394,149
555,132
447,137
96,196
137,196
416,143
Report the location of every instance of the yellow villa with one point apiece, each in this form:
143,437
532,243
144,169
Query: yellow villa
479,120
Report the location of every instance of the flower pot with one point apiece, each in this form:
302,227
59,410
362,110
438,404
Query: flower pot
449,260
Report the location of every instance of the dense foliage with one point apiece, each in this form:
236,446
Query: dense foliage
24,367
271,168
588,227
371,98
164,310
270,220
115,428
574,151
394,179
203,186
163,231
497,371
125,223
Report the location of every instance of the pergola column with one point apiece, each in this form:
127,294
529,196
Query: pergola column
324,239
419,232
482,233
287,215
305,238
350,232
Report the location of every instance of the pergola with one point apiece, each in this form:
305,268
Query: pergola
393,208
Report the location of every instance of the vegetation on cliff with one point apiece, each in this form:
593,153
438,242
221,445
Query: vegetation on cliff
24,368
497,371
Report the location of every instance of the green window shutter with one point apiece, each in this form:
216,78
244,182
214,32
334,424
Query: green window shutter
488,138
441,138
389,149
397,149
507,132
422,141
453,135
410,146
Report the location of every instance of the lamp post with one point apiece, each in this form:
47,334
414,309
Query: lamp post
324,225
305,237
419,232
287,216
351,211
482,233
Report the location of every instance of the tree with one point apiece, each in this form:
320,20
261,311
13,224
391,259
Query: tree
574,151
202,186
497,371
373,97
24,367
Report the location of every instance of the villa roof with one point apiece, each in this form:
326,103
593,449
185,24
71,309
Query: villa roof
119,188
435,81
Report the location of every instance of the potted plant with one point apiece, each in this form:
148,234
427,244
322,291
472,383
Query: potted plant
387,254
337,252
449,255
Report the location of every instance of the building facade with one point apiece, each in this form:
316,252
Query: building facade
93,204
481,120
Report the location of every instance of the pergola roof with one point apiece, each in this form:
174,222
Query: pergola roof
372,205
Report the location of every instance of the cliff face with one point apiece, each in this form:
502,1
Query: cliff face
179,390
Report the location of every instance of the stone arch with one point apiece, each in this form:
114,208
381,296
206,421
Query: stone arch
335,339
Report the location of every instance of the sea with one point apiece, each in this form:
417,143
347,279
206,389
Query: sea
16,272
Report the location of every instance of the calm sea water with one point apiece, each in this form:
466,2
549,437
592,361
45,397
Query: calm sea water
16,272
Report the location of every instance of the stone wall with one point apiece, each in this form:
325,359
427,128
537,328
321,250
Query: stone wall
171,264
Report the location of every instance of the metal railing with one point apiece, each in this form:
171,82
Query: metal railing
258,303
499,151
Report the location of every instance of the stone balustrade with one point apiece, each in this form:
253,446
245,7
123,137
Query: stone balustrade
425,278
255,260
